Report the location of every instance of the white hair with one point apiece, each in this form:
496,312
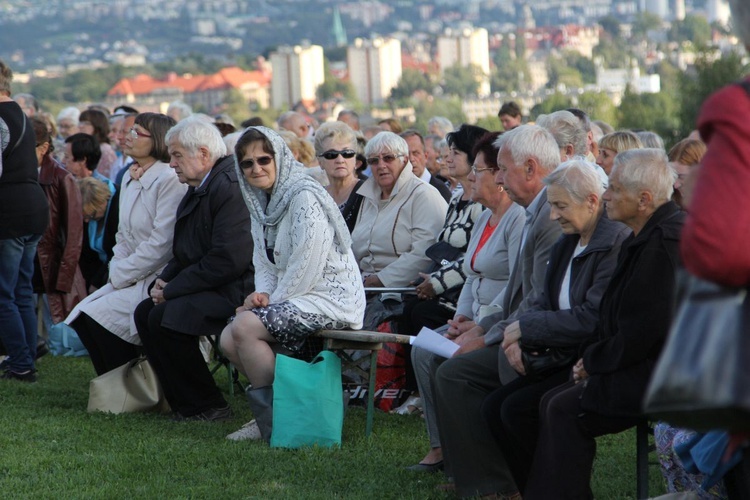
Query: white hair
578,177
70,113
650,139
387,141
566,128
442,123
179,110
531,141
646,169
230,140
597,132
194,133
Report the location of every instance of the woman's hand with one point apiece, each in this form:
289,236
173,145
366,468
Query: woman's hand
255,299
157,291
579,372
458,325
425,290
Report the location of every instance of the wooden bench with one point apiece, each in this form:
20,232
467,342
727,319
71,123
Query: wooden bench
361,340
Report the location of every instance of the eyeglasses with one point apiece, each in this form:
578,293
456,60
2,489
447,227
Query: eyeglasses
475,170
262,161
333,154
374,161
135,134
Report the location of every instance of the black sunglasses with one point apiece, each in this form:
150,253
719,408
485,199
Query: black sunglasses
262,161
333,154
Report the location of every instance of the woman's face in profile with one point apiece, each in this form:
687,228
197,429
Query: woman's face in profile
258,167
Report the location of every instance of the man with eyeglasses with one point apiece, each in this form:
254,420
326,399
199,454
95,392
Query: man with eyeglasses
418,161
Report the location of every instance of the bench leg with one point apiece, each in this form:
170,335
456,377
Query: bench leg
641,446
371,392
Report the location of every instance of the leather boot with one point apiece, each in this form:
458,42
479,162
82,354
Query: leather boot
261,403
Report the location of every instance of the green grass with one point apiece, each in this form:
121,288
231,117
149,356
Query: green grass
51,447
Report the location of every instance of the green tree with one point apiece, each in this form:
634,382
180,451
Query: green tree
599,106
412,80
656,112
693,29
645,22
561,74
509,71
332,87
709,77
490,123
612,52
462,80
555,102
611,25
448,106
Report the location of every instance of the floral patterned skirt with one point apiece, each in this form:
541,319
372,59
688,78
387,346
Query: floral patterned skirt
290,326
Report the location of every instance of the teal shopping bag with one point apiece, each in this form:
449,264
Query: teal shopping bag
307,402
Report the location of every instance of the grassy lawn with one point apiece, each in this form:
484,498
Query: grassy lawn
51,447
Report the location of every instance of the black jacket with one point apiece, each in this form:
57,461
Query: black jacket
544,324
211,272
636,312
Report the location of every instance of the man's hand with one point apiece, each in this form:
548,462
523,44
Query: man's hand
579,372
470,345
470,334
157,291
513,353
512,334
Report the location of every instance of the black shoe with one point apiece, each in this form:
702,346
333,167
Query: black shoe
5,364
29,376
41,350
431,468
210,415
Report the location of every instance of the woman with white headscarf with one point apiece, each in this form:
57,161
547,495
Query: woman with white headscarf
306,277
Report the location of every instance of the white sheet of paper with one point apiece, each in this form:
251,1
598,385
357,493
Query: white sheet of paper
432,341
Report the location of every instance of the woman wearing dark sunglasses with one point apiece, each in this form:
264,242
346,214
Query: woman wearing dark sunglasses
306,277
336,149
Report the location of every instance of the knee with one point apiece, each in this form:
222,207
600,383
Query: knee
244,328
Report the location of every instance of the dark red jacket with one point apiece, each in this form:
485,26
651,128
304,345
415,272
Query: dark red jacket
59,249
716,238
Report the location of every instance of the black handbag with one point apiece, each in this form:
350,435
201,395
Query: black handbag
702,378
540,362
443,253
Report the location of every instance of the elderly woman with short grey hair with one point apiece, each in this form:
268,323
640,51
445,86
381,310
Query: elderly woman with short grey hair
400,218
336,149
636,309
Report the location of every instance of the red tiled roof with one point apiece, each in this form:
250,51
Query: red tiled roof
232,77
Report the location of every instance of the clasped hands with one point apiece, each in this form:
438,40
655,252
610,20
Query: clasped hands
255,299
157,291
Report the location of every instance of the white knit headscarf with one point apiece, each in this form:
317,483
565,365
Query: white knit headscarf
291,179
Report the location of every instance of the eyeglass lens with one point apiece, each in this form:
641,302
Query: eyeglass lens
333,154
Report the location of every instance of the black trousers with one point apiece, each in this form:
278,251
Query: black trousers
512,413
566,449
106,350
418,313
176,357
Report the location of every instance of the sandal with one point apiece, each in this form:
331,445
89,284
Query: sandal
412,406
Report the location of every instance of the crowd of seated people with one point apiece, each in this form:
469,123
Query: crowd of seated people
548,253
